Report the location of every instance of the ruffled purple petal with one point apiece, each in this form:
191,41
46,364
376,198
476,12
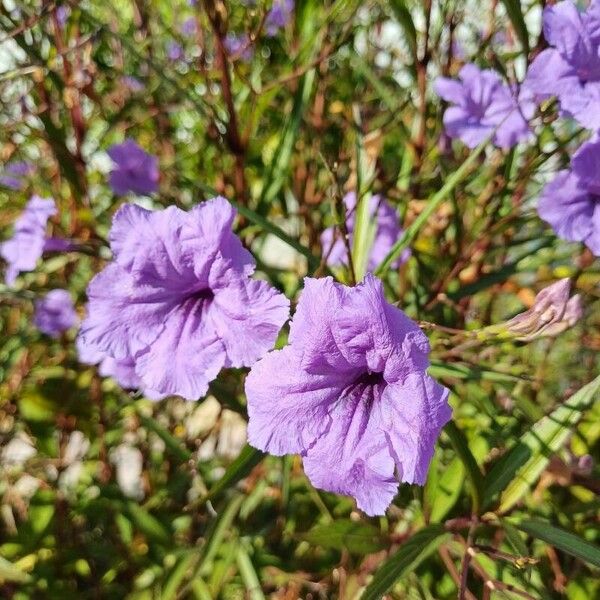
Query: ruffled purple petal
191,349
334,394
247,315
352,456
135,170
123,318
413,413
287,409
568,207
26,246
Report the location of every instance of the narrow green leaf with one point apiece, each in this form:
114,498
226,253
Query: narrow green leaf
514,538
563,540
248,574
448,489
546,438
515,14
217,534
409,556
344,534
364,227
177,575
460,371
248,458
149,525
269,227
172,444
503,471
278,168
460,445
200,589
434,202
404,18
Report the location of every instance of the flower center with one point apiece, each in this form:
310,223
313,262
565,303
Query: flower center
370,378
365,389
203,295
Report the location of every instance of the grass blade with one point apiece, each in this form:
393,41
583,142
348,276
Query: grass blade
248,458
410,555
545,438
563,540
460,445
410,233
515,14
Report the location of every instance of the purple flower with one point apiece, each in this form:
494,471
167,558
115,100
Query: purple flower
62,14
239,46
570,203
279,16
387,233
458,50
177,299
55,313
570,68
482,102
350,394
135,170
29,240
189,27
14,175
132,83
174,51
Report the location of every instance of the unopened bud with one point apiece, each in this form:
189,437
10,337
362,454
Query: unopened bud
552,313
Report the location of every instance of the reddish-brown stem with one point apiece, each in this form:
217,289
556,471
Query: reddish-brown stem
233,138
421,67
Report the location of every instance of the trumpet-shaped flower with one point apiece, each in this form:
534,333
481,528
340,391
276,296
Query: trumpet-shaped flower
279,16
177,299
387,232
570,203
134,170
29,240
570,68
481,103
55,313
350,394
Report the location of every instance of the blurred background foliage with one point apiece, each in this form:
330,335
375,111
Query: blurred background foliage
105,494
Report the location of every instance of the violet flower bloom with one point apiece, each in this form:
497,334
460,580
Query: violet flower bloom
133,84
570,68
29,241
177,298
482,102
62,14
570,203
15,174
174,51
188,27
239,46
279,16
135,170
387,233
55,313
350,394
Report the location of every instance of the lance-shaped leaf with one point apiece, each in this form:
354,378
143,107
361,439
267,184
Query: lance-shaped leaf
543,440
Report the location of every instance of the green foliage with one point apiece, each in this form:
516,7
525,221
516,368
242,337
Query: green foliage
106,494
